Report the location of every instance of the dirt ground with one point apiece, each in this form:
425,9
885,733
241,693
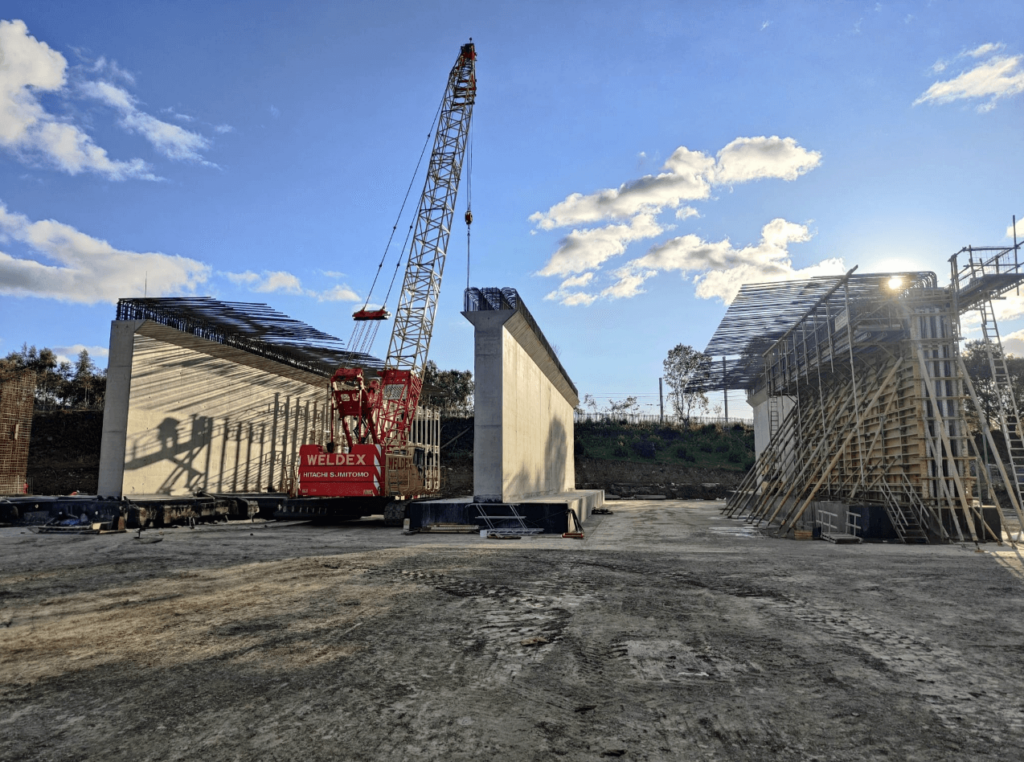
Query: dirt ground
668,634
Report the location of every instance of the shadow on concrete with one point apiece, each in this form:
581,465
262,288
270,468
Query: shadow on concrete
246,439
557,460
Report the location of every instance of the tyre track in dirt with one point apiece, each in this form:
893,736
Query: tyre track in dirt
462,650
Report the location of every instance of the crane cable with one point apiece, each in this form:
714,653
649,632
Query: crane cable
469,202
359,328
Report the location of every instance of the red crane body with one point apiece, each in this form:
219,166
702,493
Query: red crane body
375,448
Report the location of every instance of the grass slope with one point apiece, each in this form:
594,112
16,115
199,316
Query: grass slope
707,446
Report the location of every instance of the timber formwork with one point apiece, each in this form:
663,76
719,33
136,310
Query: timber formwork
17,401
866,399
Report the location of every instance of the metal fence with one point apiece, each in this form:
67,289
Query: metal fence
649,420
635,419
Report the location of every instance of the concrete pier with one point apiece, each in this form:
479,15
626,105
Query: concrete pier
524,402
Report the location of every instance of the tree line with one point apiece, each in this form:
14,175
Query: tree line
60,384
685,371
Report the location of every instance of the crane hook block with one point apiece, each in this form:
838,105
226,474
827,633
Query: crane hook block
469,217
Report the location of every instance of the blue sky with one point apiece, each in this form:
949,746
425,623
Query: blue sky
633,164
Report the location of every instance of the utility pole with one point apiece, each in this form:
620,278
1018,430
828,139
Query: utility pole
661,403
725,391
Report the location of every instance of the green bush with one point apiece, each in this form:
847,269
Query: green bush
644,448
683,453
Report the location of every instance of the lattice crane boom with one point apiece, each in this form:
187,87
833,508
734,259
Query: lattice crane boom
417,303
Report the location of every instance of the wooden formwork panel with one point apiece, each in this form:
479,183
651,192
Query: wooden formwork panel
17,401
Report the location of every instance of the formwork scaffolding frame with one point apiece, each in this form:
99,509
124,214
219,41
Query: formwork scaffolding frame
17,401
866,398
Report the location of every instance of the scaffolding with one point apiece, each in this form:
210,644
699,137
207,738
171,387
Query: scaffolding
17,400
861,396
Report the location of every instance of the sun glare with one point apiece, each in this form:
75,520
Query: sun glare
895,283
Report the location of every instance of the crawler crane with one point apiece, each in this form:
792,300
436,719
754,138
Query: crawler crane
379,454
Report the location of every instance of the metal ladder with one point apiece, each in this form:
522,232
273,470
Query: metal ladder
774,415
1009,416
491,514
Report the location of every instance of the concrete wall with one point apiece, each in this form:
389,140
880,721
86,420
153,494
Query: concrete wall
185,414
762,419
523,405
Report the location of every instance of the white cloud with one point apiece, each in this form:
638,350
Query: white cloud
577,281
102,66
588,249
574,300
172,141
564,295
284,282
1009,307
571,298
689,176
338,294
268,282
76,267
629,214
223,129
70,354
650,193
28,67
721,269
1013,344
983,50
746,159
629,284
725,284
993,79
1020,229
279,281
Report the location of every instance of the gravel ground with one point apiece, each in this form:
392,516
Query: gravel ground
669,633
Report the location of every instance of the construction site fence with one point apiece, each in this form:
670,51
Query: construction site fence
651,421
634,419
